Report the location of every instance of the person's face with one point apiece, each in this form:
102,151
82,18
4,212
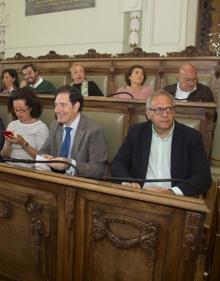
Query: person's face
22,111
163,117
187,80
137,76
8,80
77,74
30,75
65,111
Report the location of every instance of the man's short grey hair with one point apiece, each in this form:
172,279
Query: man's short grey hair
157,94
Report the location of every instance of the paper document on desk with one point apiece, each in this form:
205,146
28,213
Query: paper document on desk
42,166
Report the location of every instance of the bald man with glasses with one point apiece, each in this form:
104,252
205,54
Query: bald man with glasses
188,87
162,148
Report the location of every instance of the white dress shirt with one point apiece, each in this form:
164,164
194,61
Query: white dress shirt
159,164
180,94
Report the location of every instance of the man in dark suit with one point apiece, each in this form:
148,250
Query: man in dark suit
188,88
87,149
163,148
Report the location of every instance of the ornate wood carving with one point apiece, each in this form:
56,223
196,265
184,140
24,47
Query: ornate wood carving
205,23
92,54
138,52
19,57
190,51
53,55
147,238
192,225
5,209
37,227
69,208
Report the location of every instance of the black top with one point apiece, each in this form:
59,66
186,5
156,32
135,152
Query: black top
93,89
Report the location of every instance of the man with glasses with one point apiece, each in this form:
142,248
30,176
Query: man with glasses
162,148
188,88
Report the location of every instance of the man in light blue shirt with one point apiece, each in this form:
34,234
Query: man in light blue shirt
163,148
87,150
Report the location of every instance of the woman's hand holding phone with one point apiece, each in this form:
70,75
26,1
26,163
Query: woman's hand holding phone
8,134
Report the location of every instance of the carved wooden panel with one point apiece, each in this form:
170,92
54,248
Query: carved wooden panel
26,252
61,228
127,241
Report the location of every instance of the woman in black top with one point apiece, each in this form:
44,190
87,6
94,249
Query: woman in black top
87,88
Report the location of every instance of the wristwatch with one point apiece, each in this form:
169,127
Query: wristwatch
25,145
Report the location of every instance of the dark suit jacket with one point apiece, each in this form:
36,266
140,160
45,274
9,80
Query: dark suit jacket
188,158
89,147
202,93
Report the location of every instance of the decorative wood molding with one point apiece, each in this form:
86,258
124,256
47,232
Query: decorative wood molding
37,227
69,208
192,230
138,52
19,57
53,55
190,51
205,23
5,209
147,238
93,54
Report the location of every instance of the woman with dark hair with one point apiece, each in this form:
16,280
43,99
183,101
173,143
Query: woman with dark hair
134,88
9,81
27,133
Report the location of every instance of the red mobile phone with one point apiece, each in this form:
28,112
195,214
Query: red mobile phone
8,134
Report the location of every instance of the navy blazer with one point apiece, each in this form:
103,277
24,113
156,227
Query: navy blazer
188,157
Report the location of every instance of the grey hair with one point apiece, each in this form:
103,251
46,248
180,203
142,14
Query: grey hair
158,93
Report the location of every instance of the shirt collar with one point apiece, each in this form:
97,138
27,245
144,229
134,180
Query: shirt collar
169,134
74,124
37,83
180,90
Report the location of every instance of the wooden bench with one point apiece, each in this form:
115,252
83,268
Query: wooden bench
118,115
108,72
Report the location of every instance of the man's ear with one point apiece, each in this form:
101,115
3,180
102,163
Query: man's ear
178,78
76,106
148,114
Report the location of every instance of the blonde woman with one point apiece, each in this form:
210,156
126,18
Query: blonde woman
87,88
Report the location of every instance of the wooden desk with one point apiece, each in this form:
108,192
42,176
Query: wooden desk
56,227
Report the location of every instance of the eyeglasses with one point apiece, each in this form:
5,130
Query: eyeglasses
189,80
20,109
160,110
